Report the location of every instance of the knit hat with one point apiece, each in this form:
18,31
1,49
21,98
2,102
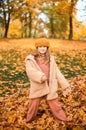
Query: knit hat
42,42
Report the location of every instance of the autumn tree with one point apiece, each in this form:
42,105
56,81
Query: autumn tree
25,13
31,17
6,11
62,13
57,18
49,11
71,5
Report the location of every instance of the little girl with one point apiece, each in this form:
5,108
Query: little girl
44,78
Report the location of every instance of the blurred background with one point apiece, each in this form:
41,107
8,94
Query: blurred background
62,19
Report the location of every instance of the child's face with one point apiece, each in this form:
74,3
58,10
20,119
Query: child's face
42,49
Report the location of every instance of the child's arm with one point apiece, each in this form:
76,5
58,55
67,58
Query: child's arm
63,82
33,73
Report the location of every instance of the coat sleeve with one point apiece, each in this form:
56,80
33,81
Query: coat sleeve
33,73
61,79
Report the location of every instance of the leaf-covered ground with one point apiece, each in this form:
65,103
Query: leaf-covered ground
14,91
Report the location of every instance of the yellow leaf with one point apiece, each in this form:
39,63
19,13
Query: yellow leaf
77,128
39,127
1,128
9,103
12,118
81,112
44,116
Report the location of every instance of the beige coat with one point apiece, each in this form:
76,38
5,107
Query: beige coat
39,89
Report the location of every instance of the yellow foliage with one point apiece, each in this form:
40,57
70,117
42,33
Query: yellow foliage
77,128
1,128
12,118
81,112
15,29
32,2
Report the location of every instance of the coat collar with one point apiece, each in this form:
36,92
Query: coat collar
31,57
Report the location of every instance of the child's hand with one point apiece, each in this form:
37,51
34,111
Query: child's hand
67,91
44,78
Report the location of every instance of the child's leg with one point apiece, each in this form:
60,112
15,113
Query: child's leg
33,109
57,111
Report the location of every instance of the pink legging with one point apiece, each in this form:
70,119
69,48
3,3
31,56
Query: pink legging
54,105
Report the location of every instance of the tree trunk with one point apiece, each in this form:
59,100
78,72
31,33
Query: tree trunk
30,24
52,24
35,30
7,22
71,22
6,19
70,28
52,27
